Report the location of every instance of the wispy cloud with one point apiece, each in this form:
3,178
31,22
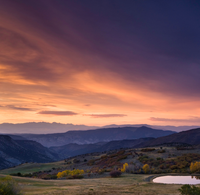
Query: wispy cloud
58,113
13,107
104,115
191,119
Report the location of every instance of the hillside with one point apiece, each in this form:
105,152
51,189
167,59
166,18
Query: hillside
191,137
74,149
15,152
95,136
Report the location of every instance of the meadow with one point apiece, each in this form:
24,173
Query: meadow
126,184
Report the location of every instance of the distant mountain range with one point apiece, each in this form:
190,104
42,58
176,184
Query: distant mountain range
14,151
94,136
45,128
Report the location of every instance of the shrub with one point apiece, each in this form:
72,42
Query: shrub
195,167
101,171
188,190
91,162
115,173
66,173
75,177
147,149
125,165
161,151
9,187
76,161
146,168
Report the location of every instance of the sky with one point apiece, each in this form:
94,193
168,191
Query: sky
100,62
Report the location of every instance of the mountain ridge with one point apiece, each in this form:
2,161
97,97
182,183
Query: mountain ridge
47,128
191,137
97,135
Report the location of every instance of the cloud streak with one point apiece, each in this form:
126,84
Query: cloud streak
58,113
190,120
104,115
12,107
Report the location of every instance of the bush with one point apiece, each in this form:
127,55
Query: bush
147,149
9,187
161,151
188,190
125,166
76,161
66,173
75,177
146,168
115,173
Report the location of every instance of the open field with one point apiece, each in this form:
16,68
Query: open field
126,184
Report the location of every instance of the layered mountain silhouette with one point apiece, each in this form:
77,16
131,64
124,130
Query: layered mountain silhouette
95,136
70,150
45,128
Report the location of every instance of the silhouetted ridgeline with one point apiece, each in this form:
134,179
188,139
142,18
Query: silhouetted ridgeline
191,137
98,135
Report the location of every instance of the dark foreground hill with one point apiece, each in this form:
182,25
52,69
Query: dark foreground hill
15,152
95,136
191,137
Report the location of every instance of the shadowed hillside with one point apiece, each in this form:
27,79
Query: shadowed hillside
76,149
191,137
15,152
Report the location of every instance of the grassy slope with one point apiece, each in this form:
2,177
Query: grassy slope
127,184
32,167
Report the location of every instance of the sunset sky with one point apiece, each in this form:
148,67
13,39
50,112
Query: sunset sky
100,62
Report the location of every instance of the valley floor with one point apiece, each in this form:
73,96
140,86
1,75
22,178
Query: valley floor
127,184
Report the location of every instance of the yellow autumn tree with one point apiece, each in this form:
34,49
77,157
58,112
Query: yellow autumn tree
70,173
125,165
195,167
146,168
